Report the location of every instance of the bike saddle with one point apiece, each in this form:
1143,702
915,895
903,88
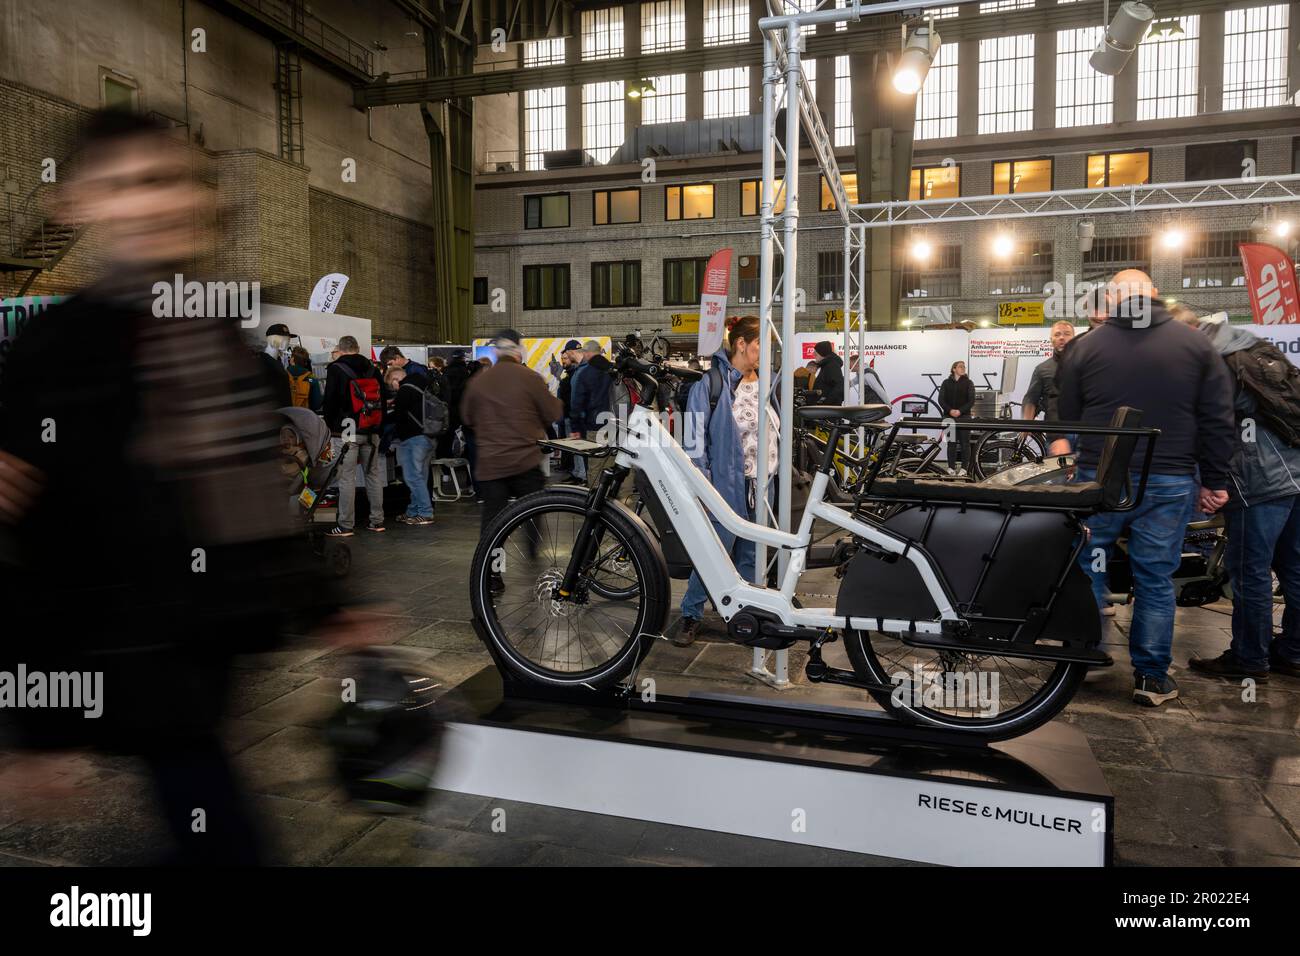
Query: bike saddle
852,414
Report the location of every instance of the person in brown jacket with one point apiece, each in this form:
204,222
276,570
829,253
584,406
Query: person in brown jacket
509,407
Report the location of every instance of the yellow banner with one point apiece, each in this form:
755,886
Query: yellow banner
1020,313
540,352
835,320
685,323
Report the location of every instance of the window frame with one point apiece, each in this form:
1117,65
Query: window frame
826,202
681,202
623,265
1011,177
609,205
922,170
1120,152
702,263
568,286
568,207
481,282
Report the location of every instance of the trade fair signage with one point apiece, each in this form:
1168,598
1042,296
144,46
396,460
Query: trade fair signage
15,314
684,323
1020,313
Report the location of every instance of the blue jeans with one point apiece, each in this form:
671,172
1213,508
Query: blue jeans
1156,529
1263,537
413,455
742,553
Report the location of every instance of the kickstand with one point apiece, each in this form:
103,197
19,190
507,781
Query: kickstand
779,676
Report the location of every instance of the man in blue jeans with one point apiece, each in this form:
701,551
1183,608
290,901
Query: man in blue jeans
414,448
1140,358
1263,523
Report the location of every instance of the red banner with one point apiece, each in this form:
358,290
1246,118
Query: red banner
713,301
1270,280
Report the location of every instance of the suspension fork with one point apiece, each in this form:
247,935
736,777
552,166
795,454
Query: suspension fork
589,534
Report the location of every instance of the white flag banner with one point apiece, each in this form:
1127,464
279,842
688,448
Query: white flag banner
325,297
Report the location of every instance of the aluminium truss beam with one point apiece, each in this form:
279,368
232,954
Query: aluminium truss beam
1153,197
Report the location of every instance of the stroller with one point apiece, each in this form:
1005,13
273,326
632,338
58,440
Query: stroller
308,466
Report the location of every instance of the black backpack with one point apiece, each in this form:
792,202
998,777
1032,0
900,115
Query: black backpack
434,414
714,376
1274,382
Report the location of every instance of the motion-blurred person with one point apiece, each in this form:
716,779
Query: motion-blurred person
509,407
721,437
957,398
414,447
304,386
454,379
353,409
875,389
201,561
1171,373
1263,523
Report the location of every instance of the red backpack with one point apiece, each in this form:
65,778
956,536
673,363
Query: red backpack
367,402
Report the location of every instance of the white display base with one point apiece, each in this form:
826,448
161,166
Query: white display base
655,772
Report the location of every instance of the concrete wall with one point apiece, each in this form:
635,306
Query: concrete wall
283,224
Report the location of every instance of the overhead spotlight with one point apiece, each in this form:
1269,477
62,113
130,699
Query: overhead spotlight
639,88
1282,229
1003,245
984,323
1174,237
918,56
1087,232
921,250
1122,37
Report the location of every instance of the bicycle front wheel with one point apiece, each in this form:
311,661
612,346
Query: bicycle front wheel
596,635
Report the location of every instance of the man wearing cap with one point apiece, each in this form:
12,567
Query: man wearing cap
509,408
590,393
570,360
272,364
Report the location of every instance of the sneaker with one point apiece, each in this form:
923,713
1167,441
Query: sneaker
422,520
688,629
1153,691
377,528
1279,665
405,519
1227,664
337,532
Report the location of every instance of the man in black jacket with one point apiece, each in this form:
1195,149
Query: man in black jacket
1171,373
829,383
454,379
414,447
345,383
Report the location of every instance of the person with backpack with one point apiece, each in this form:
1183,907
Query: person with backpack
1262,515
304,386
454,379
1139,358
419,417
720,434
354,410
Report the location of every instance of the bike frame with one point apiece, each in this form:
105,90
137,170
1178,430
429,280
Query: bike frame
689,501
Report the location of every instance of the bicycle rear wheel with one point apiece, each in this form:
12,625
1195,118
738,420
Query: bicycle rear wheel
986,695
597,635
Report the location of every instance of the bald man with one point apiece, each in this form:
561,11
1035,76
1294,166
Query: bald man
1140,358
1042,384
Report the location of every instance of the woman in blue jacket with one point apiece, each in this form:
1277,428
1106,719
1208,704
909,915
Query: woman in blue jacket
721,437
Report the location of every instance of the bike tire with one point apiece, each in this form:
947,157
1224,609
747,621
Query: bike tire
644,553
1044,705
992,443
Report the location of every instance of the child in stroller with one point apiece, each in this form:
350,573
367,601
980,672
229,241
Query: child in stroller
308,466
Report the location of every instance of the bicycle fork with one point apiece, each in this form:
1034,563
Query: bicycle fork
588,540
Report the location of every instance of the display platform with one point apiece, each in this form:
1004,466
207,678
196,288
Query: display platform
1038,800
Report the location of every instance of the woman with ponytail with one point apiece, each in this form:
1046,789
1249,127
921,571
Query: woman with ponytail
721,435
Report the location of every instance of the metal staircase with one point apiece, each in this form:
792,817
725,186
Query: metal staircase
31,240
